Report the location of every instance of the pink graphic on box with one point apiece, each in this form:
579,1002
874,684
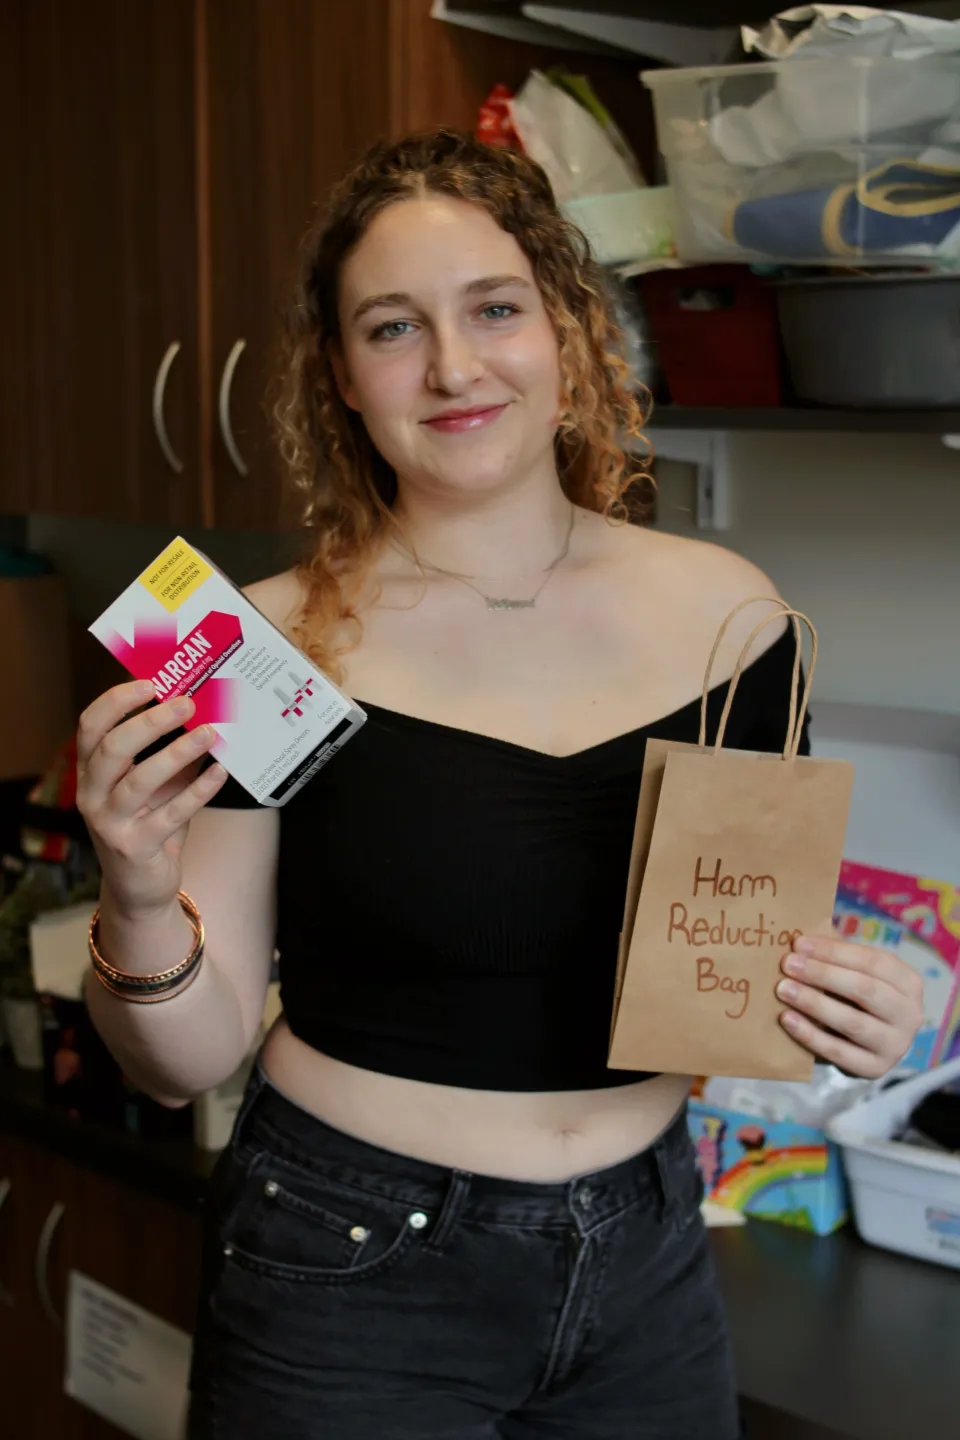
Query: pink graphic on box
294,705
931,910
185,666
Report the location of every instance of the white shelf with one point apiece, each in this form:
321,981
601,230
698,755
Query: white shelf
905,813
887,725
591,30
653,39
517,27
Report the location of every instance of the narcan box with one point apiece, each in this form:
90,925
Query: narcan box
183,625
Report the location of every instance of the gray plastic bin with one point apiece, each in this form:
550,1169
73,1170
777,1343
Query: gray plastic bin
872,342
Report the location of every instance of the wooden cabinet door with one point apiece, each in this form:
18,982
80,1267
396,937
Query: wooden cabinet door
14,1282
145,1249
56,1217
296,90
101,227
15,299
36,1216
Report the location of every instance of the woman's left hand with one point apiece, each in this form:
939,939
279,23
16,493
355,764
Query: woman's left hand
855,1007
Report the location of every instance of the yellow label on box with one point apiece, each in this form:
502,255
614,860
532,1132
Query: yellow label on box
175,574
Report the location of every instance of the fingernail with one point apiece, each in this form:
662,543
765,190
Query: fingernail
793,965
145,688
204,734
805,943
787,990
182,706
217,772
790,1019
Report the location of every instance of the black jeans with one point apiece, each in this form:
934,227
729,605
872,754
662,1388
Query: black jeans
352,1294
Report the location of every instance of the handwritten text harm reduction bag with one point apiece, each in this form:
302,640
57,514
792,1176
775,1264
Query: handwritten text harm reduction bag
735,853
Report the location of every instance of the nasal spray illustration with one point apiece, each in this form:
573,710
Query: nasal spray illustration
186,627
294,705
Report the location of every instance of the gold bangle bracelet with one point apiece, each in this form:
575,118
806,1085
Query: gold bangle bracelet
122,981
167,992
124,978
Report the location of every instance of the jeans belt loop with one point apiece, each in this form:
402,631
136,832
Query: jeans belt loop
457,1192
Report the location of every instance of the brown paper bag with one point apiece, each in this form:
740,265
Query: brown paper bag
734,854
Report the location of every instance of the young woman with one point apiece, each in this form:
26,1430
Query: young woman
441,1216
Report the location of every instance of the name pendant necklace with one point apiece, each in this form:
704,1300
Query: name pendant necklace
502,602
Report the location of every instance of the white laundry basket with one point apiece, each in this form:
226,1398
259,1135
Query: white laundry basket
905,1197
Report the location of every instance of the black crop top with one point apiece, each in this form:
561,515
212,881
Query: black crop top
449,906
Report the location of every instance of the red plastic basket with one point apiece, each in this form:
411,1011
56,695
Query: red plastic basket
717,335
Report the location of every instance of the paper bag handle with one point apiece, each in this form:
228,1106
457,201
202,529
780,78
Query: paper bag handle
795,719
782,607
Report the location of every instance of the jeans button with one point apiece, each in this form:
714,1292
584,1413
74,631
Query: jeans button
585,1197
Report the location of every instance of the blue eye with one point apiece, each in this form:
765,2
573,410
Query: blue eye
390,330
503,309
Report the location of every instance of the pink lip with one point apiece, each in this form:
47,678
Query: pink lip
453,422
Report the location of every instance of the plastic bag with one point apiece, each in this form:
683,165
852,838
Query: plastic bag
814,31
812,1102
581,155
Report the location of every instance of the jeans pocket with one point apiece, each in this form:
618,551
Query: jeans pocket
299,1225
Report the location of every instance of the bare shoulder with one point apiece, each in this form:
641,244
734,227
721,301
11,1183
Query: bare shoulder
279,597
693,586
718,578
707,573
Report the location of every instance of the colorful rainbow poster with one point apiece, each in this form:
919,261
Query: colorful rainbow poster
918,919
774,1170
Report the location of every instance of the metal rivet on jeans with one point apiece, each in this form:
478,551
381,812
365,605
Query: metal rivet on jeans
271,1188
586,1197
228,1249
358,1234
417,1220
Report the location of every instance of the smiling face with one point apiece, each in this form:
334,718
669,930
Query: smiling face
447,350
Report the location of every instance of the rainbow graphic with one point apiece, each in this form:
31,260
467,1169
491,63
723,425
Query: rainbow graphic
750,1177
771,1169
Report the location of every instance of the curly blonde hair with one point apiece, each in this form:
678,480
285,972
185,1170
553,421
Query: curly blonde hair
348,489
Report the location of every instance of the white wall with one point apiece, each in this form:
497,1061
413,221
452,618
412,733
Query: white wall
862,533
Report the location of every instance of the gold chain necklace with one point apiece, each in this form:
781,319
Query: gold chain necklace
500,602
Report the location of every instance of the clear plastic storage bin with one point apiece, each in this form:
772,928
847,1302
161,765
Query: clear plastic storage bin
825,161
905,1197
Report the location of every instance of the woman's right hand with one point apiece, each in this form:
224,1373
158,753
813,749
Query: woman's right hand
138,814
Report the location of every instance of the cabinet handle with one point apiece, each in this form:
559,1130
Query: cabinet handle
42,1260
226,429
159,394
6,1186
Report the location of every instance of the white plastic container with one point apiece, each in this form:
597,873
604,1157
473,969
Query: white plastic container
905,1197
632,225
820,161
